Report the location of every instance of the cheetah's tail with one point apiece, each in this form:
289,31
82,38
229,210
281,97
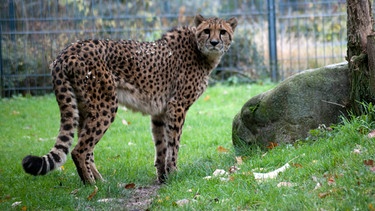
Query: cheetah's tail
69,118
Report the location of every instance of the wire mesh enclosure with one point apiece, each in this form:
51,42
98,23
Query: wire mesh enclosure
307,34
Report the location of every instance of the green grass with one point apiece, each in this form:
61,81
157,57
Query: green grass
126,155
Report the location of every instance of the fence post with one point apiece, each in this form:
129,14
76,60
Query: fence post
12,17
272,40
1,67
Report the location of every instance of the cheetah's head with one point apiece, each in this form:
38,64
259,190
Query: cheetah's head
214,35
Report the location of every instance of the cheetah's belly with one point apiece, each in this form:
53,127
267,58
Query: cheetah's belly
134,100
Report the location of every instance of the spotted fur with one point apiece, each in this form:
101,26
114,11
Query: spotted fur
161,79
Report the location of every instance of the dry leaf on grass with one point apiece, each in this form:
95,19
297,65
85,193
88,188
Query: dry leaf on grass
124,122
331,180
130,186
285,184
323,195
93,193
297,165
272,145
368,162
15,204
182,202
371,134
357,151
74,192
233,169
219,172
318,184
239,160
272,174
222,149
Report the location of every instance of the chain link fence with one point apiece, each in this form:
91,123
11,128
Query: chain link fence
308,34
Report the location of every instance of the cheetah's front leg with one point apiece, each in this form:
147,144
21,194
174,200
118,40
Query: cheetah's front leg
166,130
158,132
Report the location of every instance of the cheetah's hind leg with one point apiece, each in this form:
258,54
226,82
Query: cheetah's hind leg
96,115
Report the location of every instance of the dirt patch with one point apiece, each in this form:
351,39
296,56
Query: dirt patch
137,199
141,198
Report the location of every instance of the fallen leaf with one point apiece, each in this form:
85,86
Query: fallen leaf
371,134
15,204
124,122
318,184
5,198
74,192
233,169
271,145
14,112
272,174
106,200
207,98
357,151
219,172
24,208
182,202
239,160
224,179
370,207
93,193
369,162
331,180
323,195
130,186
222,149
297,165
285,184
207,177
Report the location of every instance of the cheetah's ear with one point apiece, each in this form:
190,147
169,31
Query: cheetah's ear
198,19
232,22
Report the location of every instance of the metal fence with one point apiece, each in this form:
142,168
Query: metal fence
274,38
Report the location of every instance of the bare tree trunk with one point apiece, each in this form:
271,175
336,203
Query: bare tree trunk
359,26
371,64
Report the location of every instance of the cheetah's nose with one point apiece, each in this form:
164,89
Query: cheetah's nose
214,42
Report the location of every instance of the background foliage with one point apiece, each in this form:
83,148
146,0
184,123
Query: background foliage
309,34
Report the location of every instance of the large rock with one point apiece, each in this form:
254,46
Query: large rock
297,105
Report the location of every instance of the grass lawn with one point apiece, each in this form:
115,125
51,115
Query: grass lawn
332,170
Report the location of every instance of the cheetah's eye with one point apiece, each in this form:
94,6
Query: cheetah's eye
206,31
222,32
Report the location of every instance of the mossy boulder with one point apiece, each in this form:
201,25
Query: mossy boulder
297,105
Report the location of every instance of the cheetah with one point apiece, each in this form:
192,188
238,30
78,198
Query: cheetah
161,79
